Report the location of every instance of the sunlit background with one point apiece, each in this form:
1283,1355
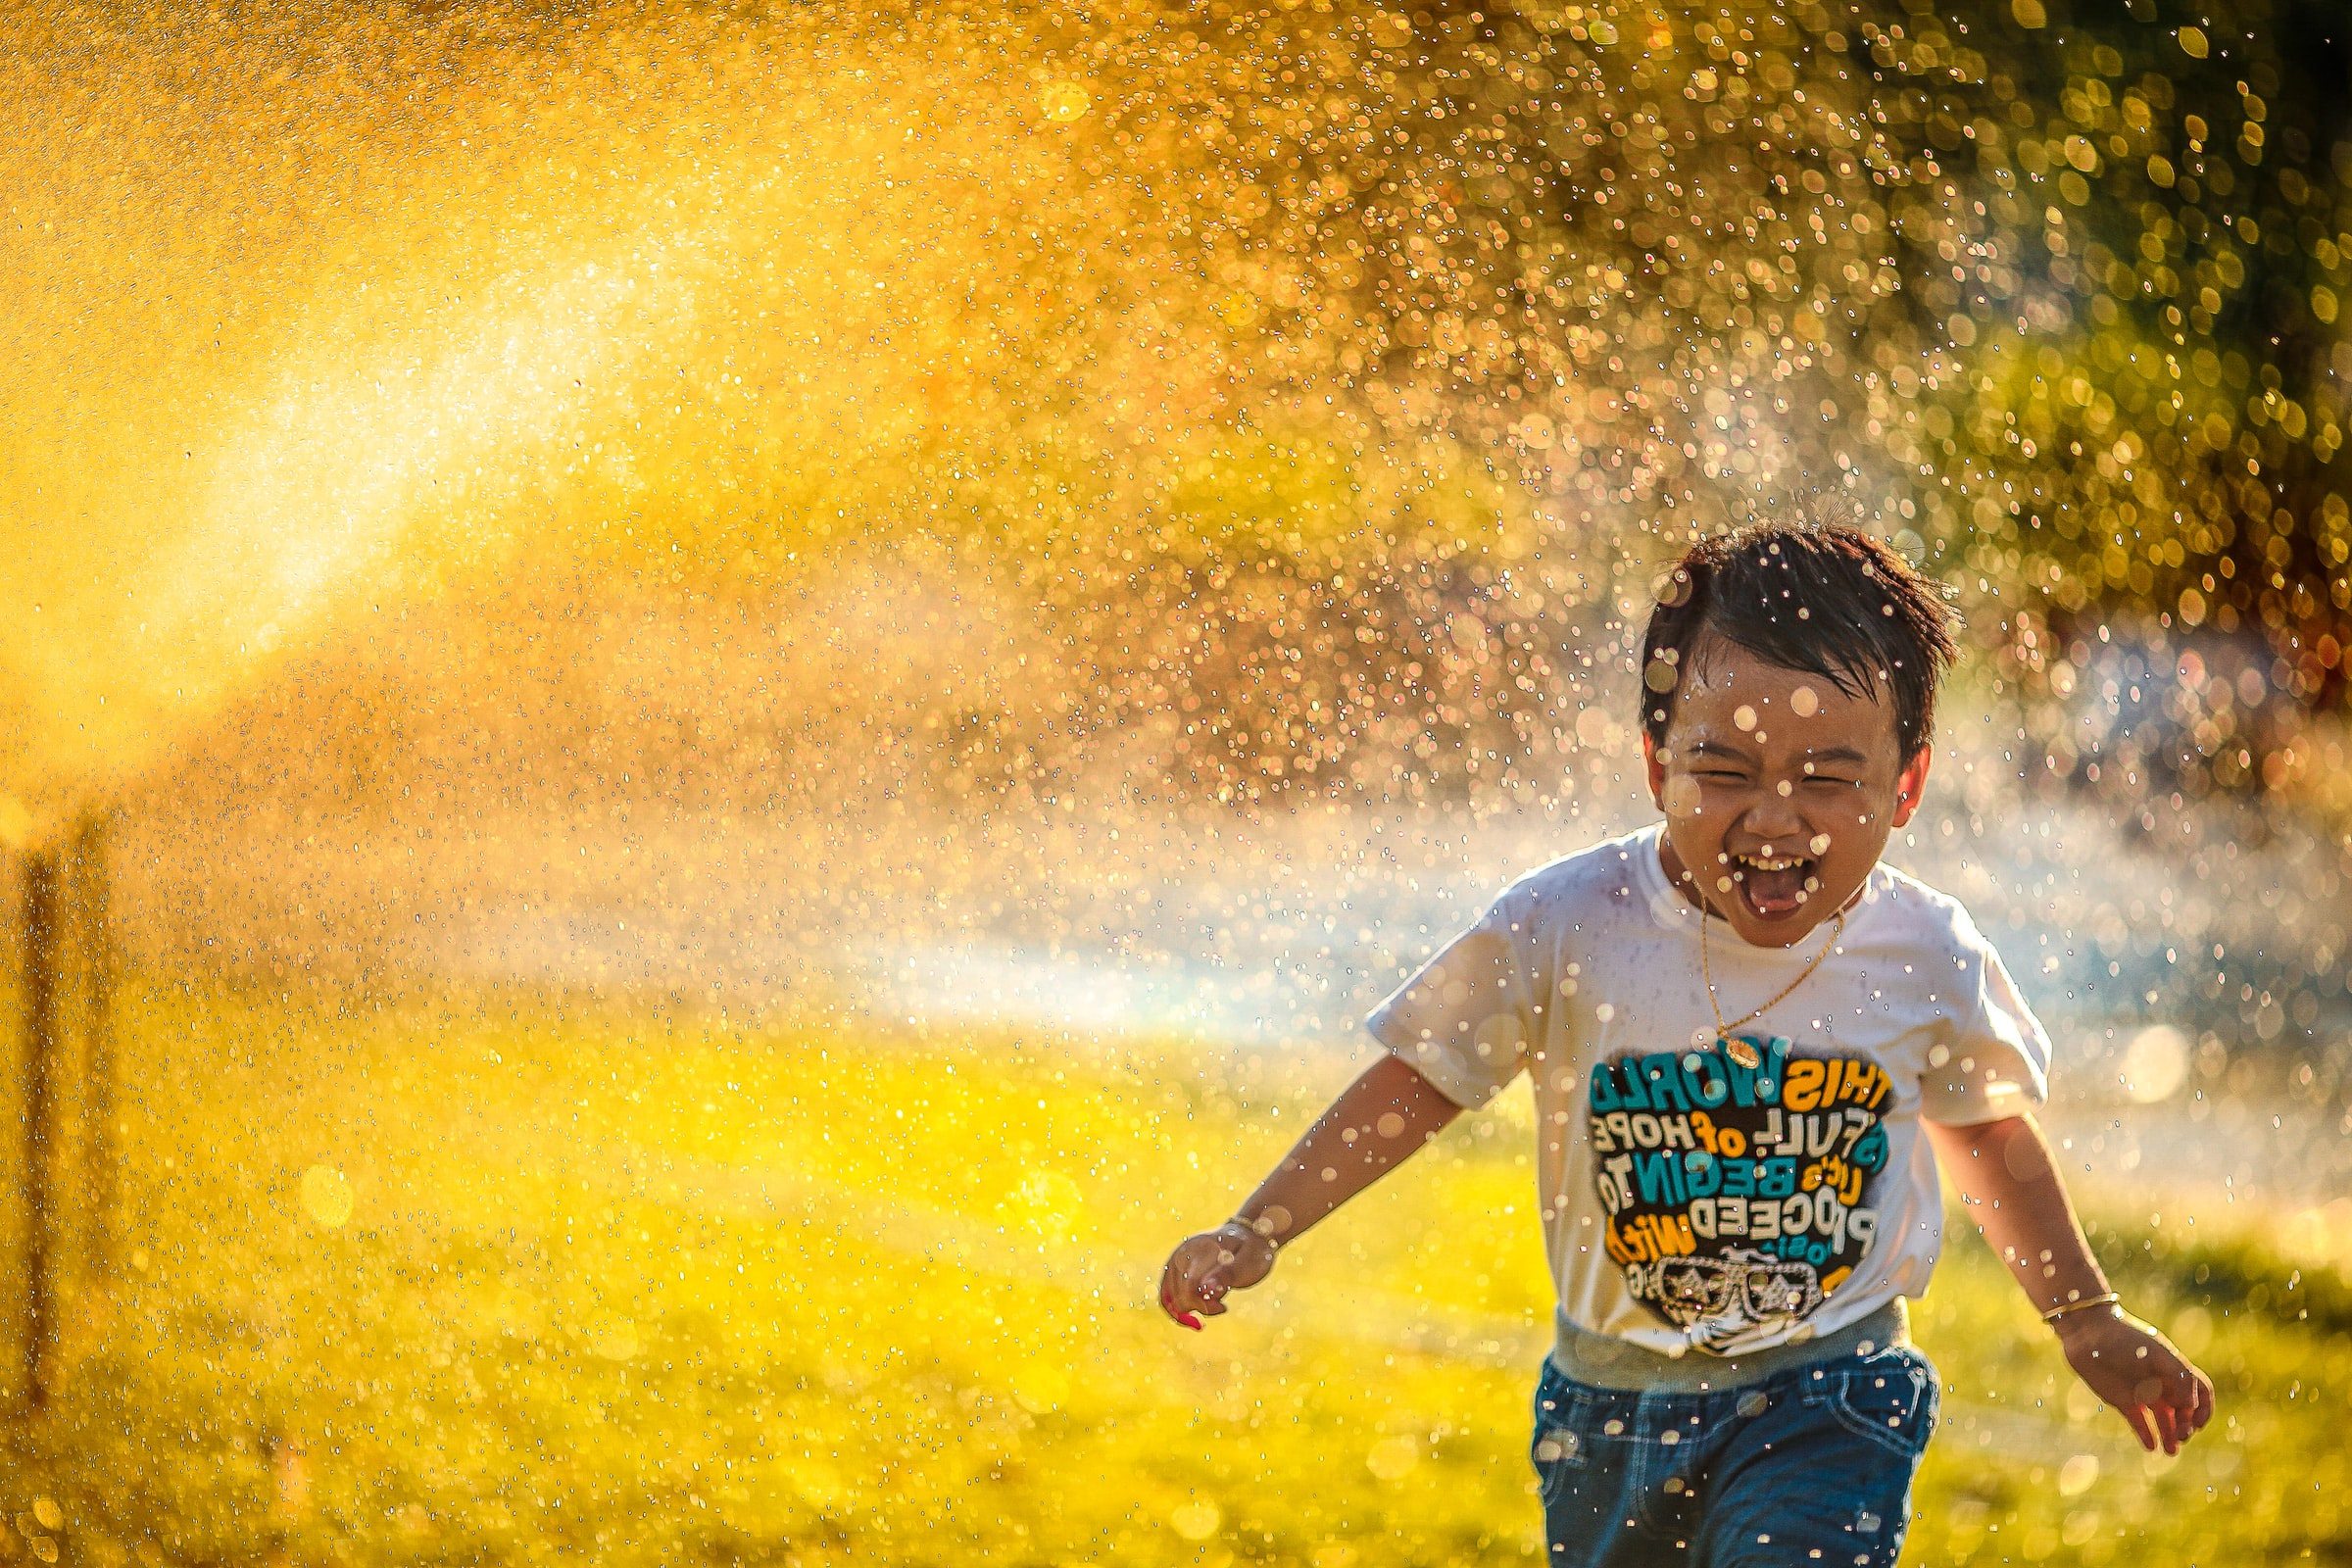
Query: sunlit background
705,712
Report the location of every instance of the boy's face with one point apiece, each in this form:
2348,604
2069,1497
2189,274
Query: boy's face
1779,791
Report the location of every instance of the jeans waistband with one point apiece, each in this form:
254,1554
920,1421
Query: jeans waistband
1606,1361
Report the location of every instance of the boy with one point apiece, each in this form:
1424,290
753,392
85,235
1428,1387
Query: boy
1751,1043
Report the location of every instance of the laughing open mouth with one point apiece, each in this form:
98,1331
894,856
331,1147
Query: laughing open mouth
1773,886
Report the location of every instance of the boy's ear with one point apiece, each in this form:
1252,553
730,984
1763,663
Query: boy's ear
1655,768
1909,786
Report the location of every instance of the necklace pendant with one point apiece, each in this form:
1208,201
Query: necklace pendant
1741,1051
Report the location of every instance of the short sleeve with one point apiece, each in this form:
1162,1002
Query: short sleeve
1997,1060
1465,1020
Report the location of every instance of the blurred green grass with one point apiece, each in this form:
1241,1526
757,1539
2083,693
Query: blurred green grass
639,1285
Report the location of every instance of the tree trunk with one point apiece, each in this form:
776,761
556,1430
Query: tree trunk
42,933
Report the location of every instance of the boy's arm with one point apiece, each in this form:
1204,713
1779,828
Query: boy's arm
2006,1174
1386,1113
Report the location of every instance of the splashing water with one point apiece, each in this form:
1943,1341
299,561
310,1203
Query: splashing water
313,311
1132,519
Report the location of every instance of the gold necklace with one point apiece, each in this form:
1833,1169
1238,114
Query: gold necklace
1740,1051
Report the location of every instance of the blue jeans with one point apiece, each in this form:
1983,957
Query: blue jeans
1811,1465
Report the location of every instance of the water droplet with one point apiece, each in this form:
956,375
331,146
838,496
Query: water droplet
1196,1520
618,1341
326,1195
2155,1063
1065,101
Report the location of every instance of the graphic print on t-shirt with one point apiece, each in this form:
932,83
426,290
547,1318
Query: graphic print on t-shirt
1738,1198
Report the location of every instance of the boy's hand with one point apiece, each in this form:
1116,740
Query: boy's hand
2160,1393
1205,1268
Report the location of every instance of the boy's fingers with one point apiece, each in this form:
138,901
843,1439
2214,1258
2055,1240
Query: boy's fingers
1212,1290
1187,1288
1178,1294
2135,1416
1167,1304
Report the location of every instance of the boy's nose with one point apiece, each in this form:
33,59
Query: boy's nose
1775,817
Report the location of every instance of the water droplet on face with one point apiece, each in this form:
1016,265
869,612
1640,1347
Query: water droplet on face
1804,702
1785,788
1819,844
1744,718
1679,797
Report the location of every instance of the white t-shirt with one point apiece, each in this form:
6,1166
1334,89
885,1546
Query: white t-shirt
1689,1203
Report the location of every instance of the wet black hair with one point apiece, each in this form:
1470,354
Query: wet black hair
1823,598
